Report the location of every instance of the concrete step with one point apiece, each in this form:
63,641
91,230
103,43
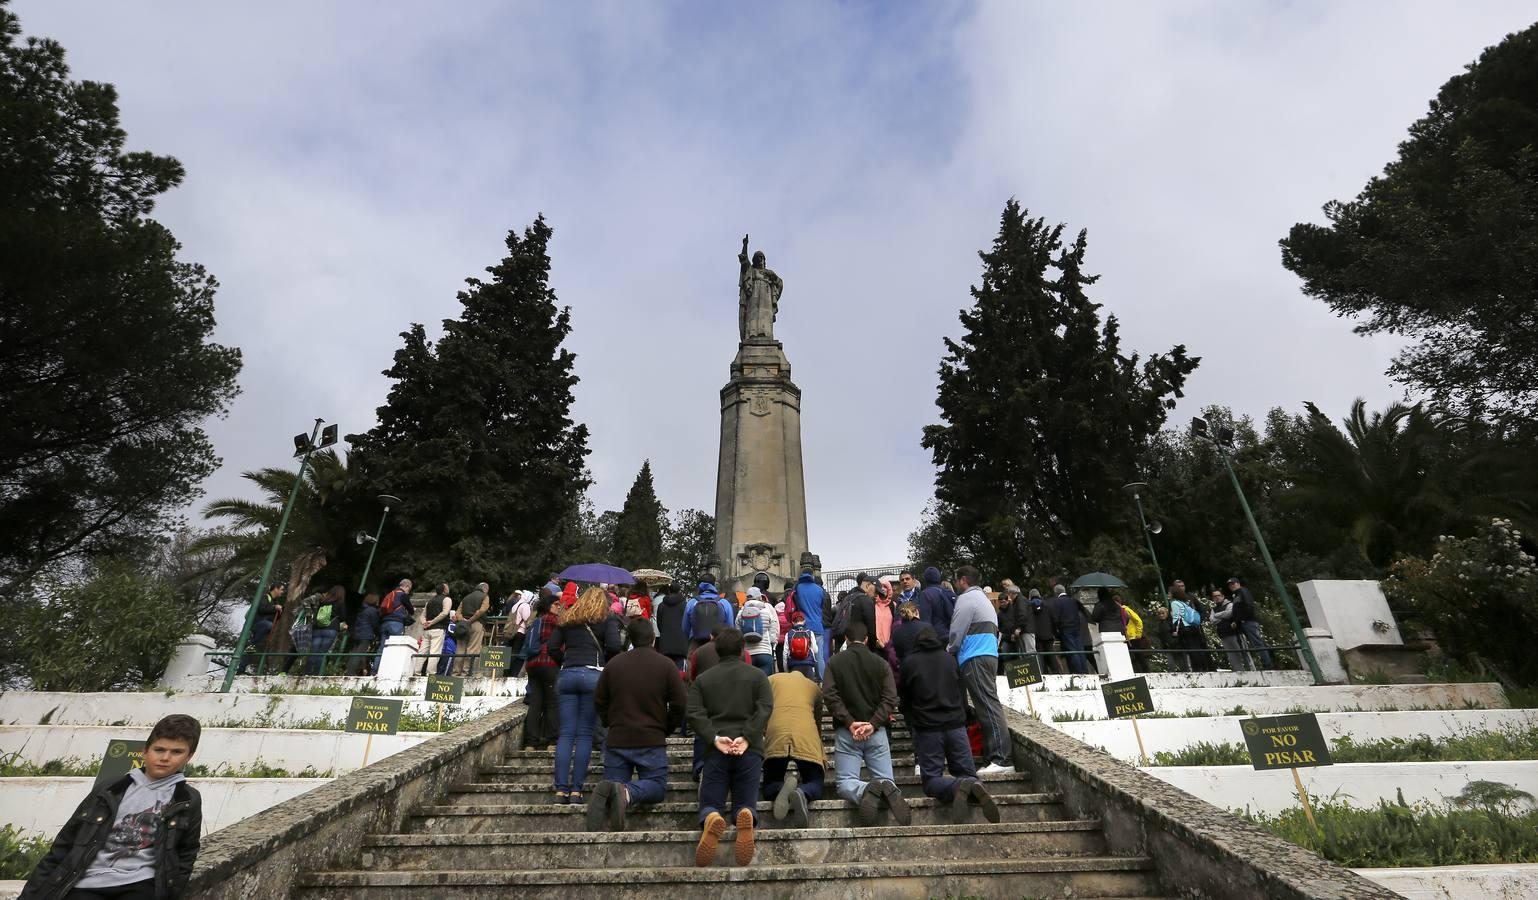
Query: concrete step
676,765
682,750
793,846
540,789
1079,876
684,814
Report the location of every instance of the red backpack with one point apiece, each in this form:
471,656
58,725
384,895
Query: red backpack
798,645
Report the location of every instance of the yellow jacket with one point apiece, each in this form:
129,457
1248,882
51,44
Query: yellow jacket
1134,624
793,726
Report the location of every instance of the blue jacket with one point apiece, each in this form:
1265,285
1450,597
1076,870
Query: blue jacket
975,628
936,604
366,628
810,598
707,594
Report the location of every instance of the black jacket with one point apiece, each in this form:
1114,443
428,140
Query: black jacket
931,688
573,646
179,831
732,700
858,687
1013,617
1066,614
1108,616
905,636
1244,605
669,616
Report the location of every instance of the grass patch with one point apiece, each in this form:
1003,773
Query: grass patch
1475,830
1507,744
20,852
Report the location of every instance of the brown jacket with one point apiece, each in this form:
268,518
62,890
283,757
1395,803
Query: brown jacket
793,726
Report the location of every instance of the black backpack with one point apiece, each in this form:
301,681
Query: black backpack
707,615
841,615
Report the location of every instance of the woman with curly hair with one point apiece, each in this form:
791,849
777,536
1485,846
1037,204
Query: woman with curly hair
584,639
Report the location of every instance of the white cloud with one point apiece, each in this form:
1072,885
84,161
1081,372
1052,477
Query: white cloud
349,164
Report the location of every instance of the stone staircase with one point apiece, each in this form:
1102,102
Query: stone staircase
503,834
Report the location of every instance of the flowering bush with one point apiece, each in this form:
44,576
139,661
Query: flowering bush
1479,595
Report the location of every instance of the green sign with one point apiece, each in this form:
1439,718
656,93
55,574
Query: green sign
444,689
496,659
1286,742
122,756
374,715
1127,698
1023,671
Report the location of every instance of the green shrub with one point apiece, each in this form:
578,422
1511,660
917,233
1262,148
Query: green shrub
1471,746
19,853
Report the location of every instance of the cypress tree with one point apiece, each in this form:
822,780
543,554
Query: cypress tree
476,435
638,531
1044,417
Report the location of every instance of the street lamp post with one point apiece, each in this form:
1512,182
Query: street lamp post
1223,440
303,446
388,501
1148,531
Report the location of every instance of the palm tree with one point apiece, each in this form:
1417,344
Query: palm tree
316,533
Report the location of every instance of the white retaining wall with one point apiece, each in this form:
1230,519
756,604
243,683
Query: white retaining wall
1359,784
1503,881
43,805
1171,735
212,710
230,748
417,685
1181,680
1269,700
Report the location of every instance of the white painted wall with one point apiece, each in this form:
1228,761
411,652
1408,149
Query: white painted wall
1269,700
1184,680
212,710
43,805
234,748
1359,784
1170,735
1503,881
416,685
1349,610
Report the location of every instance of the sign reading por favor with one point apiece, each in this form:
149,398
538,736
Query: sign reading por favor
444,689
1023,671
1286,742
496,659
1127,698
122,757
374,715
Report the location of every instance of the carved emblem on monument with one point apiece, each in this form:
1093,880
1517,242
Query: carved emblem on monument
760,557
758,403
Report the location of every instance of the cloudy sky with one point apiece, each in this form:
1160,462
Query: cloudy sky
349,164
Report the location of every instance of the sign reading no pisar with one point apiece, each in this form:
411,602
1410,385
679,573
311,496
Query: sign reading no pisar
1285,742
373,715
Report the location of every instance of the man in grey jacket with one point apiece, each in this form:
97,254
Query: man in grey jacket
974,638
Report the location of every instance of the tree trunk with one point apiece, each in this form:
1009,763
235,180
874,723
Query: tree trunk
299,574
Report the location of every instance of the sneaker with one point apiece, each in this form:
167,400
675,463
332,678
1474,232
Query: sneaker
918,771
984,800
870,802
800,813
996,769
617,807
710,839
893,797
597,818
743,846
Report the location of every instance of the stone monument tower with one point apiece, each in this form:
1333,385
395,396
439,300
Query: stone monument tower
760,490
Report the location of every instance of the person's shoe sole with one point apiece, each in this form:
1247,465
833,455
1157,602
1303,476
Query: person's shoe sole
597,816
984,800
895,801
870,801
710,840
961,802
744,842
782,800
800,813
617,806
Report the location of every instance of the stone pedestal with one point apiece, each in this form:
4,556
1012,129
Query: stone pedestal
760,488
1327,654
1115,661
395,662
188,668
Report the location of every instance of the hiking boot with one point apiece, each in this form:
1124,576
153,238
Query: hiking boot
961,801
892,796
597,818
710,839
782,799
744,844
617,806
979,794
870,802
800,813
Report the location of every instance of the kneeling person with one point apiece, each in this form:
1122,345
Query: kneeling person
794,736
933,707
135,838
729,708
861,697
640,699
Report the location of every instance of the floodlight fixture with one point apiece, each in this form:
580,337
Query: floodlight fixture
328,435
1199,427
301,444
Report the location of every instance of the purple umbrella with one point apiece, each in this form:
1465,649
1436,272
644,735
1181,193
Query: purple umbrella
596,573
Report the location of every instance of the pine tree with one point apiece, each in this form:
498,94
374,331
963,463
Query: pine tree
476,435
1044,418
638,531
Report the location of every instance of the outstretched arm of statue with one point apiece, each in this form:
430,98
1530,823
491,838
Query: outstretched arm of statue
743,256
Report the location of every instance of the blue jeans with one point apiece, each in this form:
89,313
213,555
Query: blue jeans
1251,630
823,648
259,631
387,629
935,750
446,658
764,663
875,752
649,764
574,748
321,640
739,775
804,665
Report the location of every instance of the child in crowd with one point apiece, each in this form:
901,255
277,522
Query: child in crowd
136,838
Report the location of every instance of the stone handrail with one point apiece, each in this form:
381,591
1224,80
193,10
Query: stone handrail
259,858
